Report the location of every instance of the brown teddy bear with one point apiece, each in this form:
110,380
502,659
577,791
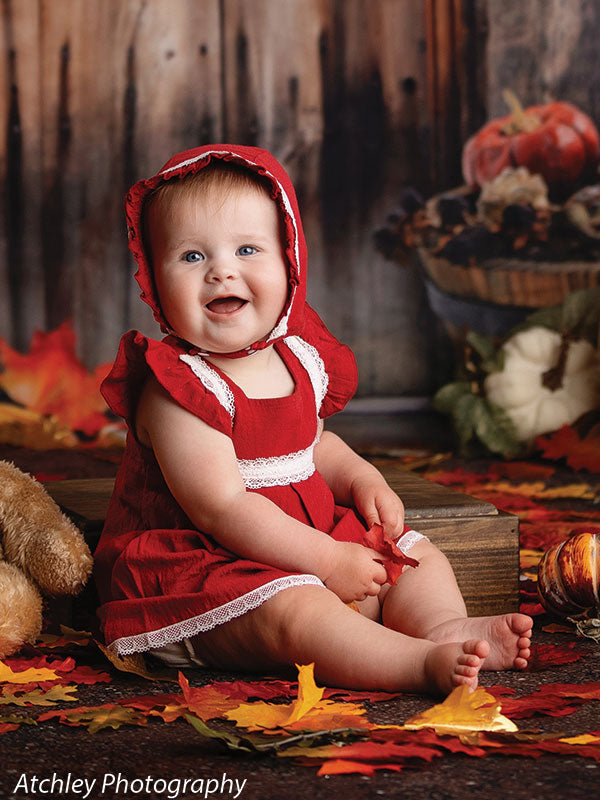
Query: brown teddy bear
41,553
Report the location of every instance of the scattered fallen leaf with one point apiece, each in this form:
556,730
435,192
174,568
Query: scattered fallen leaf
30,675
135,664
96,718
37,697
308,711
12,722
206,702
565,443
463,711
544,656
69,637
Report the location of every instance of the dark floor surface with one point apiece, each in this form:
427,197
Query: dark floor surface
175,751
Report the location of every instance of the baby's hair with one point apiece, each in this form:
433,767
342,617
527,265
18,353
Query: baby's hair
223,176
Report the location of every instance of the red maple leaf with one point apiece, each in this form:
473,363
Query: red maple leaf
394,559
550,655
579,453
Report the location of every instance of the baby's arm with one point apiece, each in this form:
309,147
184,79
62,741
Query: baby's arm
200,468
354,481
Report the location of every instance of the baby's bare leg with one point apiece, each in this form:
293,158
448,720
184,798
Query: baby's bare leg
427,602
309,624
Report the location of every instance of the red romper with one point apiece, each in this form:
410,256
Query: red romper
159,578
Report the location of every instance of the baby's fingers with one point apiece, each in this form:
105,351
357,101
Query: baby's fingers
391,515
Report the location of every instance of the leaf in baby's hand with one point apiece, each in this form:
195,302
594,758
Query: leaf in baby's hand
30,675
37,697
463,711
394,560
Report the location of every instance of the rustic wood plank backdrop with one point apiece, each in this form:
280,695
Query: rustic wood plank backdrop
356,97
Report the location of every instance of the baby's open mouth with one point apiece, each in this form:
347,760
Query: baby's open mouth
226,305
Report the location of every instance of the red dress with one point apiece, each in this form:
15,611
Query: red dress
159,578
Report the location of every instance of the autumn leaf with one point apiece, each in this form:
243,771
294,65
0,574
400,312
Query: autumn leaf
27,676
544,656
340,766
12,722
206,702
394,559
51,380
37,697
69,637
539,490
308,711
462,711
66,671
585,738
133,663
579,453
96,718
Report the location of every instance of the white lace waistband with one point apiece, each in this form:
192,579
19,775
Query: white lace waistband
259,473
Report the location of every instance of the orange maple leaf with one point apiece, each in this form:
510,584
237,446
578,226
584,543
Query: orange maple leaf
50,379
206,702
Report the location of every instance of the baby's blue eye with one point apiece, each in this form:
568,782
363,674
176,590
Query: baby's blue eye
193,257
246,250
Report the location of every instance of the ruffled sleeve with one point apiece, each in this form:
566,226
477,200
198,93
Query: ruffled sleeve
339,362
140,357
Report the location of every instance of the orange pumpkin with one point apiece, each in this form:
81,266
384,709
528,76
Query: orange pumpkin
557,141
569,576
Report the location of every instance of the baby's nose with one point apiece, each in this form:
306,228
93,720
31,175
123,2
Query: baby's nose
221,269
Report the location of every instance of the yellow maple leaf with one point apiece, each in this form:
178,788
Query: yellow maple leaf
96,719
309,694
586,738
308,710
27,676
463,711
39,698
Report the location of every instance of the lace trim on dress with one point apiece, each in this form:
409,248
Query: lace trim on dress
212,381
278,470
312,362
408,540
210,619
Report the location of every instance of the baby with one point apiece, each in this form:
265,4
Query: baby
235,534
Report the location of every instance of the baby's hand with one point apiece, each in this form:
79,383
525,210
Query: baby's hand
355,573
379,504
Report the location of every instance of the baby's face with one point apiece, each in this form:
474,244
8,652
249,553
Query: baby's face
219,267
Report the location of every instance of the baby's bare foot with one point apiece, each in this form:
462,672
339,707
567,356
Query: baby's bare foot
509,636
456,664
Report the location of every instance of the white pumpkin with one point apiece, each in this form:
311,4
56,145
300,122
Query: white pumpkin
519,390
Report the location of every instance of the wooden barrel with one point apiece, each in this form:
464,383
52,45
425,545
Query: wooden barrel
510,281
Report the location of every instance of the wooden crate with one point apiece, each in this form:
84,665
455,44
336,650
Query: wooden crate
481,543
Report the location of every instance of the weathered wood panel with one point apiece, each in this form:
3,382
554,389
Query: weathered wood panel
544,49
356,97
